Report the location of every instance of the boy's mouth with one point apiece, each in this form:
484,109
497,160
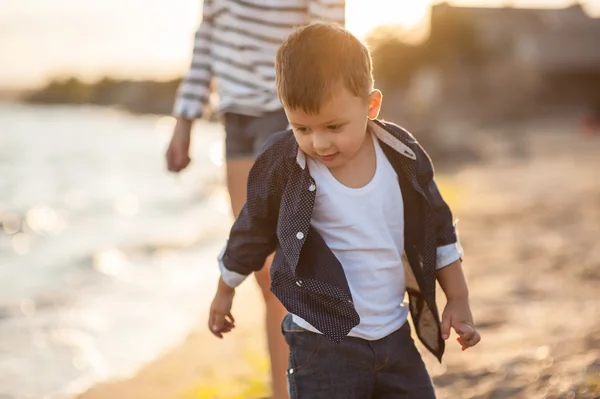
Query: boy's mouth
328,158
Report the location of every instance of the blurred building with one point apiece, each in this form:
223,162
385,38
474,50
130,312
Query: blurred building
512,61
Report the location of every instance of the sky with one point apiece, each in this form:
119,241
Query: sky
44,39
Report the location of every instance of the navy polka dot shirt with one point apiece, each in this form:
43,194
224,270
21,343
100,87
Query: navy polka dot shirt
306,276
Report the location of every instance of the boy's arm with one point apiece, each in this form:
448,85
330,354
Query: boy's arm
453,282
328,11
253,235
449,249
194,90
457,313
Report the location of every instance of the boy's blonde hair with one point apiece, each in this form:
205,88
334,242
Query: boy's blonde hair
315,60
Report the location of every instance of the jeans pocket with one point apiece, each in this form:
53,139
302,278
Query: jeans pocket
288,325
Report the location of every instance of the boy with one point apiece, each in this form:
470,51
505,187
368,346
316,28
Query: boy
341,197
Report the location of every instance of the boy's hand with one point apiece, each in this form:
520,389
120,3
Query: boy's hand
220,320
457,315
178,152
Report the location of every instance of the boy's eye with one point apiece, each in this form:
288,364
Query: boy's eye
334,127
301,129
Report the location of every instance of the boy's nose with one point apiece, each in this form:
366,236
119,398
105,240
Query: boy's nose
321,143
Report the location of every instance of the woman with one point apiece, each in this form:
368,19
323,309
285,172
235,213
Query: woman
236,45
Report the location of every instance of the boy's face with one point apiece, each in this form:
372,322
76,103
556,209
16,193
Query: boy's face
337,133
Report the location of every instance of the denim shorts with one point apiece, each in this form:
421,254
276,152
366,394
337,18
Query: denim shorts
246,135
389,368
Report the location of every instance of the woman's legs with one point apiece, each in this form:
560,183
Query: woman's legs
237,176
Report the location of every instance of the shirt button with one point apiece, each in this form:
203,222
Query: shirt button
299,283
312,187
300,235
290,371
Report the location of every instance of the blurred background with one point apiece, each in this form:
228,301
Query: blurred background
107,262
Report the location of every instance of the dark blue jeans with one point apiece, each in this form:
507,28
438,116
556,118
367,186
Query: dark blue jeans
389,368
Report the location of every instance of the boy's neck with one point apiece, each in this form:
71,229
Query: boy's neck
359,170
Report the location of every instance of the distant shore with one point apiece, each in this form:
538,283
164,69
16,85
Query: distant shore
139,97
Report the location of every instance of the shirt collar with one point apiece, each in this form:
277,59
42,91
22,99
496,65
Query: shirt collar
378,129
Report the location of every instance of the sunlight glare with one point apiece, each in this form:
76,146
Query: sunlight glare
21,243
127,205
111,262
215,153
362,16
164,127
10,223
44,219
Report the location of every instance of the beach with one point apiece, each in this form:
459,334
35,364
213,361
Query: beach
112,262
530,227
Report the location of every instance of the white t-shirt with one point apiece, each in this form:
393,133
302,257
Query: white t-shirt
364,228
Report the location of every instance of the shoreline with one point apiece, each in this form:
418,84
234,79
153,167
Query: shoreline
203,364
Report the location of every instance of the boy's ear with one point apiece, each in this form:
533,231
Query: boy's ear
375,99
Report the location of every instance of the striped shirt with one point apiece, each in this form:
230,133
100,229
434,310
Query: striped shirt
236,44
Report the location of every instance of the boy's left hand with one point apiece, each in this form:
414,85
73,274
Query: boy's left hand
457,315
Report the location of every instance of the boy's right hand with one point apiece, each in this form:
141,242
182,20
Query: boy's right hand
179,148
220,320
